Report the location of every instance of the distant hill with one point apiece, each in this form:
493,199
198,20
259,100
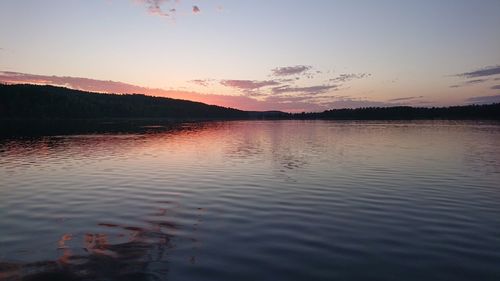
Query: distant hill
466,112
49,102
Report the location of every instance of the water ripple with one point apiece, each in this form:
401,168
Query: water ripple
254,200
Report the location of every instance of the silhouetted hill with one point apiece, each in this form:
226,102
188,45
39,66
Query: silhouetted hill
269,115
49,102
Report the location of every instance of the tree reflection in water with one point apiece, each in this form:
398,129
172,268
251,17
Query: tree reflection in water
142,257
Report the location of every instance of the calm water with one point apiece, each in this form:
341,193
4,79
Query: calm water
270,200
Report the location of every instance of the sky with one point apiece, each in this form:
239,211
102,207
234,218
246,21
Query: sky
260,55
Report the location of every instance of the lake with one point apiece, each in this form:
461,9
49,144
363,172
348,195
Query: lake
254,200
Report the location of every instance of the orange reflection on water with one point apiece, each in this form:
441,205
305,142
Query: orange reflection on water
61,244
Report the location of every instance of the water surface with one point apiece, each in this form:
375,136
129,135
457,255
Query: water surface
254,200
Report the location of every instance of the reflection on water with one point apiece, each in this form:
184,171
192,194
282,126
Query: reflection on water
101,256
124,253
295,200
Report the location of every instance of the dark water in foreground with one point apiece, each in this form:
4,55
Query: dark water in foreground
275,200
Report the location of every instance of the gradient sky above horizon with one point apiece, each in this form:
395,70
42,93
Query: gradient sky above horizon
260,55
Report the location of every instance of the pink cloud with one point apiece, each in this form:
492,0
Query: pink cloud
248,84
201,82
311,90
154,7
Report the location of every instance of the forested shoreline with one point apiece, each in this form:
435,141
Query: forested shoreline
27,101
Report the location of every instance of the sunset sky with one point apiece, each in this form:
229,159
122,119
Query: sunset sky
260,55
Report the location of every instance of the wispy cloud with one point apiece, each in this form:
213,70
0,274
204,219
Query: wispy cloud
480,75
289,80
487,71
484,99
405,99
311,90
290,70
469,82
248,84
475,81
154,7
201,82
349,76
165,8
288,86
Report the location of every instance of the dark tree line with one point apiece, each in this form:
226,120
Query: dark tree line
49,102
490,111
